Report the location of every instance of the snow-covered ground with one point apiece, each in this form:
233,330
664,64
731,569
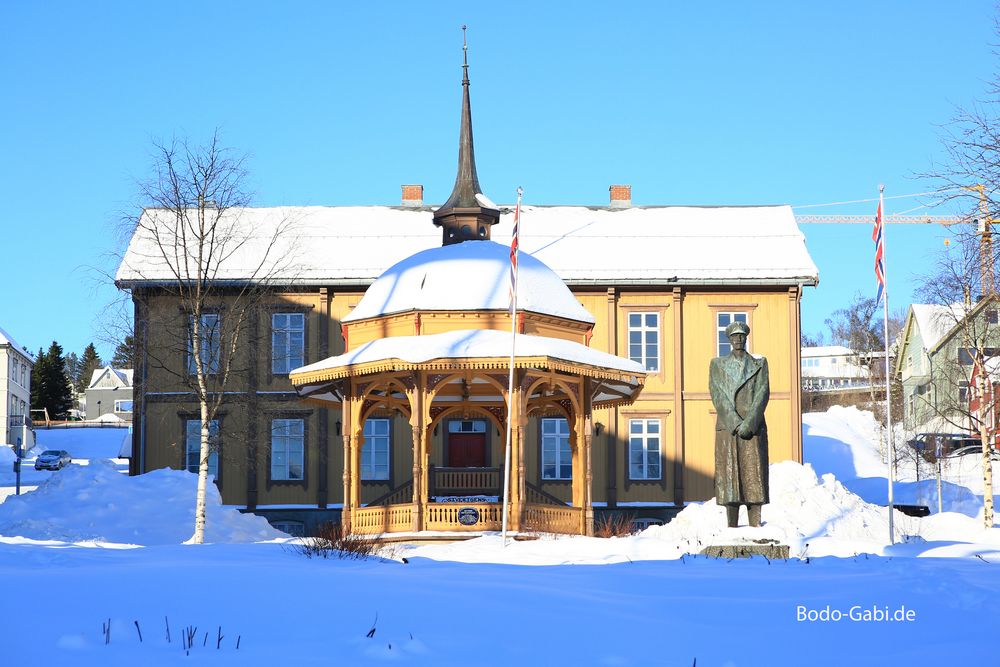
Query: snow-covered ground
106,546
84,444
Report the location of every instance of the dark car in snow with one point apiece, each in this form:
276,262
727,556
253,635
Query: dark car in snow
927,444
53,459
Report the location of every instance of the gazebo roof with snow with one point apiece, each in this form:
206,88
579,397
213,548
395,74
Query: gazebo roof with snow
469,276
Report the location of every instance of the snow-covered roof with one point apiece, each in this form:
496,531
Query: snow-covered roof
826,351
475,344
122,375
934,321
623,375
7,339
583,245
474,275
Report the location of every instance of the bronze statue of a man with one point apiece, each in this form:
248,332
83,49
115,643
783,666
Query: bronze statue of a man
738,383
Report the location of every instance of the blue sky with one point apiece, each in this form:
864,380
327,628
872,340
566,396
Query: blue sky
691,103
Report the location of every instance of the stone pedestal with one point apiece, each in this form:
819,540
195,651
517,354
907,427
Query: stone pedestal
745,542
770,549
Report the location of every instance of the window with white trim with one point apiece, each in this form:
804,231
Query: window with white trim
644,449
723,320
644,339
288,338
210,337
557,458
288,447
375,450
467,426
192,446
124,406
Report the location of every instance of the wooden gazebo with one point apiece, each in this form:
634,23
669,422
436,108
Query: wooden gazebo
553,377
431,339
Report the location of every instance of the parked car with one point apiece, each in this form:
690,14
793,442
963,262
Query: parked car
927,443
53,459
976,449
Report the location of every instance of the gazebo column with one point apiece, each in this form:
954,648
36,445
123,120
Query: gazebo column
586,394
517,489
518,499
345,425
357,442
578,448
588,489
418,476
419,460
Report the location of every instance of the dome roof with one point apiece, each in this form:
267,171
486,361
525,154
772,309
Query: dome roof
469,276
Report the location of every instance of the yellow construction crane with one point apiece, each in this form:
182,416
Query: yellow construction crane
870,219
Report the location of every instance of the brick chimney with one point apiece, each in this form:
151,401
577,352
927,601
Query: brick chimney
621,196
413,195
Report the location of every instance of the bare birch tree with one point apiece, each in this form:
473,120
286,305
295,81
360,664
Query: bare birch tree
962,286
968,179
192,244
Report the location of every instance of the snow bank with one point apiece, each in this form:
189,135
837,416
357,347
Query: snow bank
843,441
812,516
98,503
107,418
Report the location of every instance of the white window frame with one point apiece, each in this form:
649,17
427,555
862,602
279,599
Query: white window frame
288,450
211,345
288,342
723,346
639,325
557,455
376,450
642,433
192,446
118,405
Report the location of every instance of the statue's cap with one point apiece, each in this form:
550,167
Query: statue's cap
738,327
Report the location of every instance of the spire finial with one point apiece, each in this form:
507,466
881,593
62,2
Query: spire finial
467,214
465,56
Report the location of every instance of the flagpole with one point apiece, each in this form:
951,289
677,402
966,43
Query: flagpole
515,249
888,391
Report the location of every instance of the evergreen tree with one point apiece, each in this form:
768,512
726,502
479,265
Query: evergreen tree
73,369
89,363
124,353
38,375
60,400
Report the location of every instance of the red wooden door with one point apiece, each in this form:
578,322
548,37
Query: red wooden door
467,450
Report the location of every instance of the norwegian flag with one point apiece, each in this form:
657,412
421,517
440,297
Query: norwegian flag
514,243
879,252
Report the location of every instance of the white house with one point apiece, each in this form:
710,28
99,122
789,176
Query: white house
15,392
110,393
829,367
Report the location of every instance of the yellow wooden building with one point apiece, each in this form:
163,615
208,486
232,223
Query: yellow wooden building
615,417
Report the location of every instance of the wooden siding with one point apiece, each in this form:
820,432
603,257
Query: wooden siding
677,394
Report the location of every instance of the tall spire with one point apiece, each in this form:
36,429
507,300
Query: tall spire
464,216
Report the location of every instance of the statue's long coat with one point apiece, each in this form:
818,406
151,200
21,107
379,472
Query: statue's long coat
740,393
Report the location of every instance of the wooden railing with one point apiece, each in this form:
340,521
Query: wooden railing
403,494
382,519
465,481
535,495
398,518
444,516
552,519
